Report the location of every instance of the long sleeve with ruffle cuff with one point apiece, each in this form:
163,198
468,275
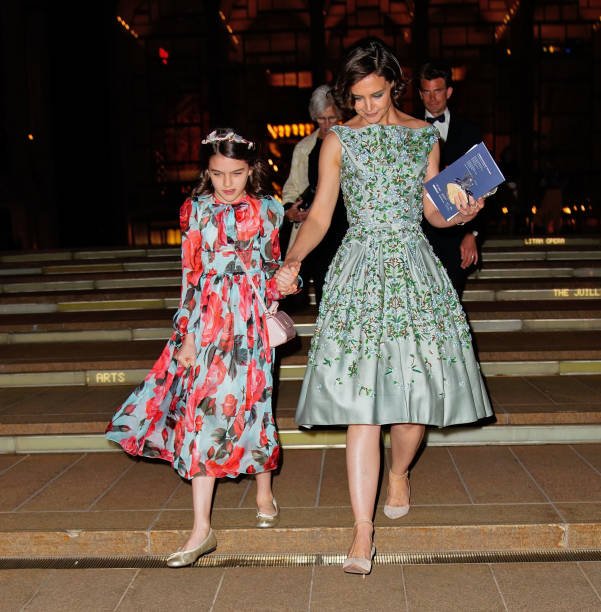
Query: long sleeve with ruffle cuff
271,253
187,317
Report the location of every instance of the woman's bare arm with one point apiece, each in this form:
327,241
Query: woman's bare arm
315,226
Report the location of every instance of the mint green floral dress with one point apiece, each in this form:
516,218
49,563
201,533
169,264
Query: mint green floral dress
392,344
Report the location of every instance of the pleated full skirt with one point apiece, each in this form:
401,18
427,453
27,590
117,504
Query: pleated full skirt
392,344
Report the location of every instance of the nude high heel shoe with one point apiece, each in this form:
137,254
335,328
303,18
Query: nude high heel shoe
360,565
395,512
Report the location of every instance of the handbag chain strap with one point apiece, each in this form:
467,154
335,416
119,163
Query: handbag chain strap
252,284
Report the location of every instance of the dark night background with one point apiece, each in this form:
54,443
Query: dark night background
103,103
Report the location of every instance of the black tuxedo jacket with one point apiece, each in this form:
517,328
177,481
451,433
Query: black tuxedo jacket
462,135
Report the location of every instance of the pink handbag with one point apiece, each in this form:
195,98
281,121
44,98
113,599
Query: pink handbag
280,326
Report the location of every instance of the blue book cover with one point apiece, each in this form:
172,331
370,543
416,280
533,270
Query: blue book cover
475,173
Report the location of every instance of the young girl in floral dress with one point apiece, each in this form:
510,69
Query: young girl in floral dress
206,404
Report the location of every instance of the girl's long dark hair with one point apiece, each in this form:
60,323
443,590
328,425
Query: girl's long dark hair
367,56
258,183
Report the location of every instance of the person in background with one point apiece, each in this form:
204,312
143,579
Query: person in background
303,180
457,247
205,407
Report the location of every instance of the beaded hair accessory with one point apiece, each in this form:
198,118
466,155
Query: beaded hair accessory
229,136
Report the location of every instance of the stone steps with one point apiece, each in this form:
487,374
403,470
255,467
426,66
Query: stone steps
518,400
89,343
148,324
480,498
69,358
500,354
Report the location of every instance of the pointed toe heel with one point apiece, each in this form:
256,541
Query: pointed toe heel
396,512
360,565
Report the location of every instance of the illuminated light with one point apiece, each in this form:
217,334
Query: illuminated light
300,79
551,49
173,237
30,136
228,27
566,210
508,51
286,130
545,49
275,168
534,209
164,55
582,208
502,27
126,26
504,210
575,207
270,161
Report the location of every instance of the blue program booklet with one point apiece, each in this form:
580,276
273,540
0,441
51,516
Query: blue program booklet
475,173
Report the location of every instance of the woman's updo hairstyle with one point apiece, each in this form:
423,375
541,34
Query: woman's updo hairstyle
227,142
368,56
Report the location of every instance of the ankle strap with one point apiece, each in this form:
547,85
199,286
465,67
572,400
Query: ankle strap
363,521
394,476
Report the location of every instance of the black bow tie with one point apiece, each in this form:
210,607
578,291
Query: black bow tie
433,119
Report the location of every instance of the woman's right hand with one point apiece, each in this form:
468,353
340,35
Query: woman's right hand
186,355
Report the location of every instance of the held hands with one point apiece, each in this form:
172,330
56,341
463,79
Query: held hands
186,355
296,215
286,277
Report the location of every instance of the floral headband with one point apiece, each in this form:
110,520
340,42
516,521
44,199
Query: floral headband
229,136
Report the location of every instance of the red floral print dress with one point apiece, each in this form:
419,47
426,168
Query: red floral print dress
214,419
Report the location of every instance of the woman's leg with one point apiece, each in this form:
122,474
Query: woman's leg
363,469
405,439
202,499
264,493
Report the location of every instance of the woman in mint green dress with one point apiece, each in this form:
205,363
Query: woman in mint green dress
391,345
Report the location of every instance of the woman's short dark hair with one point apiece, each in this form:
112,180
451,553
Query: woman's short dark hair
227,142
368,56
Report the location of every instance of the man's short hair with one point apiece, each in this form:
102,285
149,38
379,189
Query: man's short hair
436,70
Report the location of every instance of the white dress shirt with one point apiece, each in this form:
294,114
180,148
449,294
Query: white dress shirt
442,127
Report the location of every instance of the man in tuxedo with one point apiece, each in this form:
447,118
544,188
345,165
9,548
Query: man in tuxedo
457,246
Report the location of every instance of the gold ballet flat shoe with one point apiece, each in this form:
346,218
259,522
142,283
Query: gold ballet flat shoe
181,558
264,521
396,512
360,565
